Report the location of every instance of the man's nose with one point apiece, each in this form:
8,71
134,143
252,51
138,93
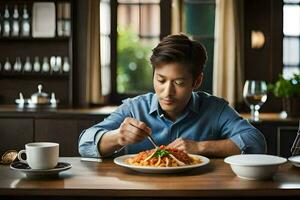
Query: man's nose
169,89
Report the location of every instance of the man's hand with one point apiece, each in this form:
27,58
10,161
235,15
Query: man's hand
132,131
188,146
212,148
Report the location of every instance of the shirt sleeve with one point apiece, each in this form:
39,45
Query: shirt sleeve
89,138
249,139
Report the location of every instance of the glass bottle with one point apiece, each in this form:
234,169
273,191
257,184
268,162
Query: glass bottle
27,65
58,64
6,23
18,65
66,65
45,65
15,22
7,65
36,64
59,22
67,19
53,64
25,28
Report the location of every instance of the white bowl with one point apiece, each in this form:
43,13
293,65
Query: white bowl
254,166
295,160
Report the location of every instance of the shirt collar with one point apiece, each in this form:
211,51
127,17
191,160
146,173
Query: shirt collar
154,104
194,104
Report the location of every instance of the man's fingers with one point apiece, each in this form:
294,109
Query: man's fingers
131,134
173,145
130,129
138,124
176,143
130,138
133,131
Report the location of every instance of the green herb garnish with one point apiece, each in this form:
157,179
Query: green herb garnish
161,153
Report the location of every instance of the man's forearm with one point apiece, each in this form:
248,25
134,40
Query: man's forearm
109,143
218,148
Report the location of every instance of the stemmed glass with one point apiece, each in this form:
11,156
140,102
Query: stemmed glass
255,95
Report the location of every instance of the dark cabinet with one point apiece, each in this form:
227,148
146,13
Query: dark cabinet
285,139
279,136
86,123
38,58
15,133
62,131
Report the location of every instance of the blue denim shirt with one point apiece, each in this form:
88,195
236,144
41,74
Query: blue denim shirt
206,118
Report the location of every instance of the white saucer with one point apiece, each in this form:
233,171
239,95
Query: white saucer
295,160
23,167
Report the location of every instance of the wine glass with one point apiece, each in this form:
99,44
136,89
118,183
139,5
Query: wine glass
255,95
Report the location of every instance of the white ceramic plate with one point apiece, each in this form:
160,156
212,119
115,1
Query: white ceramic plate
23,167
121,161
295,160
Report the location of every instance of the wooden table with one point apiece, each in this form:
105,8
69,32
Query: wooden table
91,180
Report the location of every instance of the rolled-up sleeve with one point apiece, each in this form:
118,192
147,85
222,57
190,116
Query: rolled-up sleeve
90,138
241,132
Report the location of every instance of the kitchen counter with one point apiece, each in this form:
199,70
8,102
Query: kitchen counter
92,180
14,111
271,117
64,125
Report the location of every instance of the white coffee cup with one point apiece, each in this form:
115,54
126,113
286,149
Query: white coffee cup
40,155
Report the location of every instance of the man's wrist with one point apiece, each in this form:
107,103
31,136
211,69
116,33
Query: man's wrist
201,147
115,139
206,148
116,145
109,143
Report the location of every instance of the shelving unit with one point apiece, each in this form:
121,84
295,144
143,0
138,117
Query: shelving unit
12,82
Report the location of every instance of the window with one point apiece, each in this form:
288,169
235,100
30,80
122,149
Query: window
138,31
135,28
291,36
199,23
105,46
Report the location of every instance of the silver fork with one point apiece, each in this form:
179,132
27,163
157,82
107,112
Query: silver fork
150,138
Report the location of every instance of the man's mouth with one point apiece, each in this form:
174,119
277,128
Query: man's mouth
168,101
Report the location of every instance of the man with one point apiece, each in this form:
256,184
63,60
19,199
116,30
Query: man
194,122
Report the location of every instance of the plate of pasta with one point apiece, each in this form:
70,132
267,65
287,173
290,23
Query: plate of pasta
161,160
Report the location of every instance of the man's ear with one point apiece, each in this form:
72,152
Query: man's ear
198,81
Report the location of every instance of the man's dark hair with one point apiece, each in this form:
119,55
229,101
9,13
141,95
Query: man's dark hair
180,49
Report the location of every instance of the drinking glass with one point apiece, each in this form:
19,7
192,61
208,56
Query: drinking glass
255,95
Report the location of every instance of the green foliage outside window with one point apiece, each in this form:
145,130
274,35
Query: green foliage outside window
286,88
134,72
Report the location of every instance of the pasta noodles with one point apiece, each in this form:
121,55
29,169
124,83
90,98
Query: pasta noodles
162,157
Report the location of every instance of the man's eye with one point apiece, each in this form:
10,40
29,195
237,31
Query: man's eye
161,80
179,82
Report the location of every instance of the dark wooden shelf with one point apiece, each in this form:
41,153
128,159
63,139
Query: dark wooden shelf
34,75
30,39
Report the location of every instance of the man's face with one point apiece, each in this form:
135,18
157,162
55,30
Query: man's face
173,86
